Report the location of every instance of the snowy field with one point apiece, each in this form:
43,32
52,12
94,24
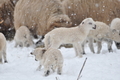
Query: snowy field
22,66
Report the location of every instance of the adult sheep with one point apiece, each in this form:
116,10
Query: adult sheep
2,48
50,58
23,37
99,10
40,16
75,36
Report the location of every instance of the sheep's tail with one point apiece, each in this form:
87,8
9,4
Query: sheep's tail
47,41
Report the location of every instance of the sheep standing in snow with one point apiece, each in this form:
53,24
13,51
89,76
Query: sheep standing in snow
102,33
99,35
75,36
23,37
2,48
50,59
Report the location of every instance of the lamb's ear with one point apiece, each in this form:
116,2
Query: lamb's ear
44,50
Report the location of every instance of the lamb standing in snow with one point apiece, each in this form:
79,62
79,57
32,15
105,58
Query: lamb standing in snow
51,58
102,33
23,37
99,34
2,48
75,36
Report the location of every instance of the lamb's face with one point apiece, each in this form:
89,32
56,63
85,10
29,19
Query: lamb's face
89,23
38,53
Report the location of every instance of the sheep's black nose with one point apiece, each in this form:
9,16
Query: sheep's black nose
31,53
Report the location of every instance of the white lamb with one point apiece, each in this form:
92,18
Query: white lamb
50,59
99,34
2,48
23,37
75,36
102,33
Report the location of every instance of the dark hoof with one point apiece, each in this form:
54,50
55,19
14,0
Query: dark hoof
117,45
5,61
47,73
84,53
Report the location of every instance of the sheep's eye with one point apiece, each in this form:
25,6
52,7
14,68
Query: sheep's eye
90,23
82,22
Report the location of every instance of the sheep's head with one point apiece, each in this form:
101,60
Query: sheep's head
38,53
59,21
89,23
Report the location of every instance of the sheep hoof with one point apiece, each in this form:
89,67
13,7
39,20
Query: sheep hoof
59,73
110,50
83,53
5,61
47,73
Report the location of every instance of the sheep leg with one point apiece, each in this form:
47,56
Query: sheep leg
53,68
99,46
0,57
75,47
109,44
90,44
47,71
39,67
59,70
83,47
78,49
4,56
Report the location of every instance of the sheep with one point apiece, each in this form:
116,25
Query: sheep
2,48
115,25
23,37
99,10
42,18
102,33
75,35
50,59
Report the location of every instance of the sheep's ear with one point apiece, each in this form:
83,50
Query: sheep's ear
44,50
31,53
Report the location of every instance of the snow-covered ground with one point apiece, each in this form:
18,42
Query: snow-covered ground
22,66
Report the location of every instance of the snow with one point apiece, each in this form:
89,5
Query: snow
22,66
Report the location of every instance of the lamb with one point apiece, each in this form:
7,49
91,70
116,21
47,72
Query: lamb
23,37
50,59
99,34
75,35
2,48
102,33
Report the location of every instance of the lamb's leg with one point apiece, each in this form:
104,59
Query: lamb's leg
90,43
109,44
4,56
99,46
75,47
47,70
39,67
83,47
59,70
78,49
0,57
53,68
